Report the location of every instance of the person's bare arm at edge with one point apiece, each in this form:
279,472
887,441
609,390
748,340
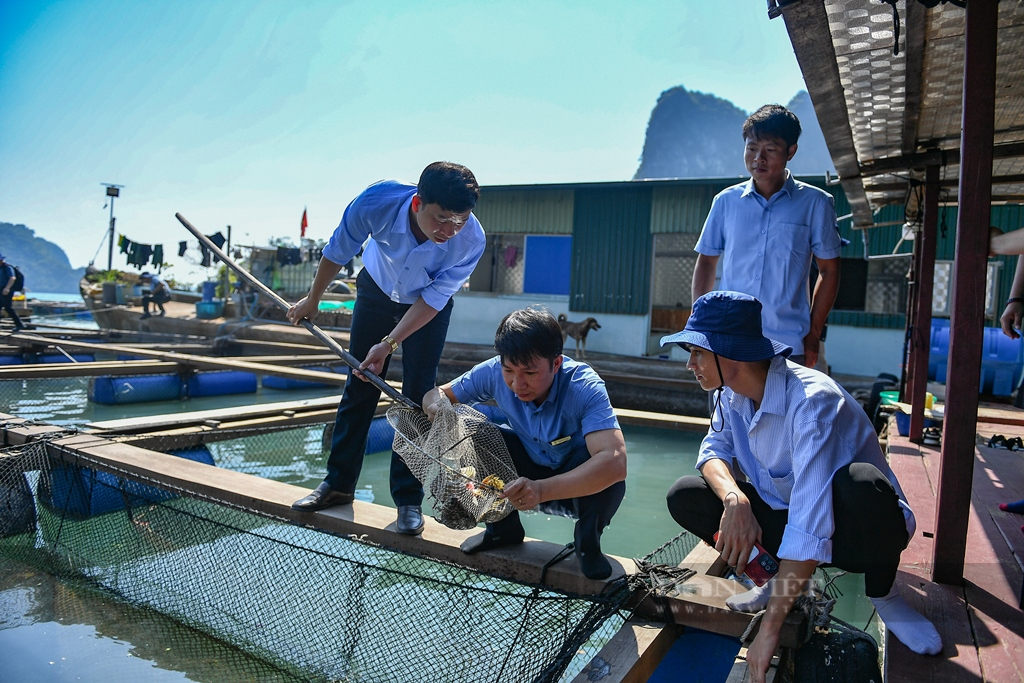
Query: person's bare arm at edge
308,306
606,466
1013,314
418,315
825,291
739,528
786,588
703,276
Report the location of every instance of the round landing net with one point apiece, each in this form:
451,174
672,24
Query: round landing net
460,458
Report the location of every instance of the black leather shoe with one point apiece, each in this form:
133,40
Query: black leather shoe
322,497
486,541
410,520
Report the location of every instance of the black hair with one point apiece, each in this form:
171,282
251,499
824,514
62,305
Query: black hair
451,186
772,121
526,334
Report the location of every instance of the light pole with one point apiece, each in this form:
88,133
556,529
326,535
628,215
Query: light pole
112,192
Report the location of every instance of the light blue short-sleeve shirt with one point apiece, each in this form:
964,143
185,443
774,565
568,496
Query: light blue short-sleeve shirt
806,429
766,247
403,268
556,429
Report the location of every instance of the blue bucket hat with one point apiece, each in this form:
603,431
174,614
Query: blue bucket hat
729,324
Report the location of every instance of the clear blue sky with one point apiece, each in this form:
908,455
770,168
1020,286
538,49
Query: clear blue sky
243,112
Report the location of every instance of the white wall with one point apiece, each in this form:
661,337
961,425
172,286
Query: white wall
864,351
476,315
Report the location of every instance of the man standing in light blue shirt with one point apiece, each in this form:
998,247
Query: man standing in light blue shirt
766,231
818,489
424,243
564,437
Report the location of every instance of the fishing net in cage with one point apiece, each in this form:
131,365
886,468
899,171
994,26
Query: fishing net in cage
460,458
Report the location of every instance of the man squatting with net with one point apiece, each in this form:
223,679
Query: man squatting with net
424,243
767,230
816,487
564,437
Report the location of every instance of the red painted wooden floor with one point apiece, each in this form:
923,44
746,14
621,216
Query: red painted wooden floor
980,620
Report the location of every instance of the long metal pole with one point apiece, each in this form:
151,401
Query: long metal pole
328,341
110,237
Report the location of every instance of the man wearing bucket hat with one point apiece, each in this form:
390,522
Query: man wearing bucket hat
818,489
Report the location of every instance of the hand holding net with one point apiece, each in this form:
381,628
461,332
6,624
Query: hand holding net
460,458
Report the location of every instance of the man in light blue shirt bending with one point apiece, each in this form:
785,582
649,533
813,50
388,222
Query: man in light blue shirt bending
564,437
424,243
766,231
817,487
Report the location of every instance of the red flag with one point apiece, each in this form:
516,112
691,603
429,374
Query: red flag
305,223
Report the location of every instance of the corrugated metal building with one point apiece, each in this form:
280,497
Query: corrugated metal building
627,248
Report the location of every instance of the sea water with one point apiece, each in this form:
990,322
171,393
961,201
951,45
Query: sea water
98,639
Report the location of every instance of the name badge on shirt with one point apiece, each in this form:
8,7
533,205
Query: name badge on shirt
559,442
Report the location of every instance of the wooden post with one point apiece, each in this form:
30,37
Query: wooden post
953,503
924,276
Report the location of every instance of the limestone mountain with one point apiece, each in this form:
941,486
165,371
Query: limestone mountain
698,135
45,265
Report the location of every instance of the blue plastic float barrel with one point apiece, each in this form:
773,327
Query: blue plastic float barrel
287,383
381,435
221,383
209,290
82,493
135,389
61,358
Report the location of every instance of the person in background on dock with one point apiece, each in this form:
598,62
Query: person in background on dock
7,293
768,229
424,243
159,294
564,437
818,489
1008,244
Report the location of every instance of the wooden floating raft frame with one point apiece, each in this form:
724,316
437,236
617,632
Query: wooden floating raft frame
633,653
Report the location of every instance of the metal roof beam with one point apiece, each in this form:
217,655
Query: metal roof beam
933,157
807,24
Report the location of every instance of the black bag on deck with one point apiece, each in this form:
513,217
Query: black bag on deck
835,656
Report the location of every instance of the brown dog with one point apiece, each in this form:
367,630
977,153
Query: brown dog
577,331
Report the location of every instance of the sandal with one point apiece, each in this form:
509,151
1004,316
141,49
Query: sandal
1015,444
931,436
997,441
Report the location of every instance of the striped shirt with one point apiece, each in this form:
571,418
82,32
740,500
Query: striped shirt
403,268
556,429
806,429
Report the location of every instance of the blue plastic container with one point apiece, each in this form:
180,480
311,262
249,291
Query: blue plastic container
287,383
139,389
207,310
903,423
221,383
1002,359
83,493
209,290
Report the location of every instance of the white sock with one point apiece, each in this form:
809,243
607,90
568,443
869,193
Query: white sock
754,600
907,624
